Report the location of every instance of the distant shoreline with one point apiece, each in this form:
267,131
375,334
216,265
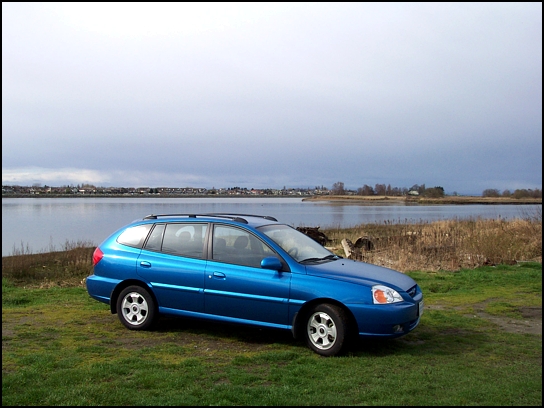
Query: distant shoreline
352,199
448,200
151,196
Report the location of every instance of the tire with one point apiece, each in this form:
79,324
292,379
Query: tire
136,308
326,329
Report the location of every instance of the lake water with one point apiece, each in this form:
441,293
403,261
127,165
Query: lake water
42,223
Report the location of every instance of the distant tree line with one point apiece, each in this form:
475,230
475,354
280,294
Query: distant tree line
338,188
520,193
420,190
388,190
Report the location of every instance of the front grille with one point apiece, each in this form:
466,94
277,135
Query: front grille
412,291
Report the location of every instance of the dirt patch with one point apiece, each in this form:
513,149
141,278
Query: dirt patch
530,324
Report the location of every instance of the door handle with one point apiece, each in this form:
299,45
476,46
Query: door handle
145,264
218,275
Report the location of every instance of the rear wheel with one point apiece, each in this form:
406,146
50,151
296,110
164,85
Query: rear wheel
136,308
326,329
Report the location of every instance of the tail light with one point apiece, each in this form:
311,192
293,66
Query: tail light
97,256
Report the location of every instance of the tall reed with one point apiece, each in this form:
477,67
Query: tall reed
65,266
404,246
445,245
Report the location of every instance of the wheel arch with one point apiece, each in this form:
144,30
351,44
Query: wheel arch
299,319
125,284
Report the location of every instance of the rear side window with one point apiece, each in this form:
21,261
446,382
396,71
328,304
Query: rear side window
184,239
134,236
154,242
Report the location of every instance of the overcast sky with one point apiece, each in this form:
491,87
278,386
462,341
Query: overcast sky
272,95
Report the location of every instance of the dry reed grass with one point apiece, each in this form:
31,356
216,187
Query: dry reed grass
429,246
446,245
65,267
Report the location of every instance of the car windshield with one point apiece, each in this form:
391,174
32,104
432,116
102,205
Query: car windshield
301,247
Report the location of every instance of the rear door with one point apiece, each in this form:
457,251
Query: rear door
173,261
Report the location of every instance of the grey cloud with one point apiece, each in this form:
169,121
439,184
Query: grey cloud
293,95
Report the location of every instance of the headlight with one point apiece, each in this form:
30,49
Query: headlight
382,295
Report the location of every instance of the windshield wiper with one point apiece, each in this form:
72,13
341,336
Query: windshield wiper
332,256
325,258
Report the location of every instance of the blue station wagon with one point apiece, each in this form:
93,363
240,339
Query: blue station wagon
253,270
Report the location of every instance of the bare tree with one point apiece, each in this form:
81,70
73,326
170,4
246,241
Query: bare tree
338,188
491,192
366,190
379,189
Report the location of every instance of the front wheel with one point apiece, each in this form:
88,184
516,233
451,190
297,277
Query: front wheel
136,308
326,329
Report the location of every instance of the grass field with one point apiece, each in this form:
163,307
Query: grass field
479,343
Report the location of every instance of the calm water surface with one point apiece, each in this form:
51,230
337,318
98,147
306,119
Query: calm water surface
43,223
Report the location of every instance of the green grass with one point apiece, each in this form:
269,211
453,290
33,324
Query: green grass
60,347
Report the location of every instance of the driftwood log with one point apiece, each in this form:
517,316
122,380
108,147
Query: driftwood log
315,234
348,247
364,243
355,251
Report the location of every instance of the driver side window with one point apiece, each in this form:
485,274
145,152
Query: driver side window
236,246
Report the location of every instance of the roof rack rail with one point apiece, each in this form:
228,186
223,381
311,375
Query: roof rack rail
266,217
234,217
193,215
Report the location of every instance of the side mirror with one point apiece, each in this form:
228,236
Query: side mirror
271,262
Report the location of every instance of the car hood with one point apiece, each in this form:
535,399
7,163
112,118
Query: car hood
361,273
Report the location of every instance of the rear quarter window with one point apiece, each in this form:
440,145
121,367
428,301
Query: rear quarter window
134,236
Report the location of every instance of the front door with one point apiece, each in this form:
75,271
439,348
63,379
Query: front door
236,286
